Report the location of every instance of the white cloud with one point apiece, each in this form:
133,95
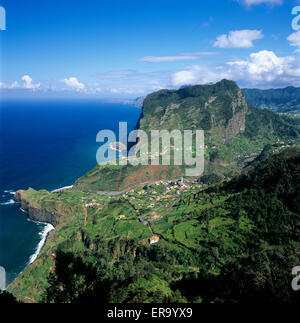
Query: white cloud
262,69
174,58
14,85
238,39
294,40
258,2
28,83
265,66
184,77
73,83
115,91
197,74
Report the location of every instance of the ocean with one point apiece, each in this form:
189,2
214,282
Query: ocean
45,144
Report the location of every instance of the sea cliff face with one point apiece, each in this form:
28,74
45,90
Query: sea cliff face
36,212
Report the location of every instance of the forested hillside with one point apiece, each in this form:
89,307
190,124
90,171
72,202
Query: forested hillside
231,243
235,133
285,100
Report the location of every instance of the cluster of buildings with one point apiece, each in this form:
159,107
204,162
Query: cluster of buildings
160,191
93,205
158,195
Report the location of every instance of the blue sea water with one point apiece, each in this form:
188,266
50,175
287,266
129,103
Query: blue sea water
45,144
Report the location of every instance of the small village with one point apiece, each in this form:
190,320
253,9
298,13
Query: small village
148,203
161,193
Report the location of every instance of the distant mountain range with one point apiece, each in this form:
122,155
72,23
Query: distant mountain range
285,100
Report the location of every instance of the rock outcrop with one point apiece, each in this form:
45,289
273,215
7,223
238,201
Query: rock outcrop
36,213
231,128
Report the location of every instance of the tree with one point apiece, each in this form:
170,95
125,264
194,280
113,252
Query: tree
74,281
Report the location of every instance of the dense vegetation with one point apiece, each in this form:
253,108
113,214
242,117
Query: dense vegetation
285,100
235,132
215,240
234,242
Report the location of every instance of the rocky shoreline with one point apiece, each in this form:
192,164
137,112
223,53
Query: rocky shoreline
36,214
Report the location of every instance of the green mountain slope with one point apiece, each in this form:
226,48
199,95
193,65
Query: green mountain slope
235,133
236,242
285,100
144,237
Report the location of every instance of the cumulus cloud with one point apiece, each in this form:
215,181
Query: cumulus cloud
185,77
28,83
238,39
250,3
73,83
175,58
265,66
197,74
262,69
14,85
294,40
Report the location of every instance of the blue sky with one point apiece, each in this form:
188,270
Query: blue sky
128,48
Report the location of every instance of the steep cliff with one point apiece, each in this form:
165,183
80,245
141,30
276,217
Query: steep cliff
218,109
235,133
43,206
36,213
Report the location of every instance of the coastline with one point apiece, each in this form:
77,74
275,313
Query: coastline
61,172
47,229
44,233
